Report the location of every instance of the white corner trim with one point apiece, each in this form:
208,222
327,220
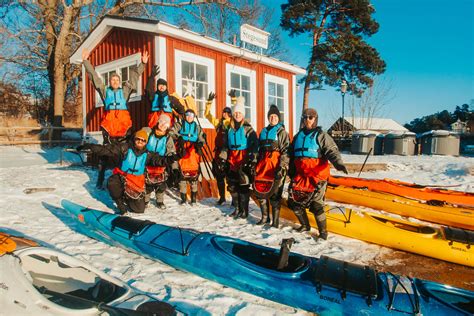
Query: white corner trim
253,88
284,82
294,107
84,101
160,56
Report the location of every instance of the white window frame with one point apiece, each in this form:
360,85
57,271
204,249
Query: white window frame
132,60
231,68
284,82
180,56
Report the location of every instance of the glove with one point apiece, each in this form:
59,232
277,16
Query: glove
222,166
198,147
231,93
341,167
211,97
155,71
172,158
84,147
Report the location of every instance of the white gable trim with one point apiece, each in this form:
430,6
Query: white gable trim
170,30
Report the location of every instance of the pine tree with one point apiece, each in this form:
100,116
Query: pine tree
339,51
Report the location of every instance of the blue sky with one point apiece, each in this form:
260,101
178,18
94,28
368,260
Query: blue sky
428,46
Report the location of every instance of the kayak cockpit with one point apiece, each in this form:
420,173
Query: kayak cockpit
67,284
262,257
459,299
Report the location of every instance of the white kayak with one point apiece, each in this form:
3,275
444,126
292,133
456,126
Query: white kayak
36,280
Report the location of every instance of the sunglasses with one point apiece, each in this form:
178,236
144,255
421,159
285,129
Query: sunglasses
190,114
308,117
140,140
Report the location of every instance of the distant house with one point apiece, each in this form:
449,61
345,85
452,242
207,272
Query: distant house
352,124
186,57
461,127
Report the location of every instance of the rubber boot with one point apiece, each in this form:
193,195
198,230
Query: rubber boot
304,221
240,206
275,216
100,179
235,204
245,200
193,198
122,206
183,198
322,227
221,188
264,210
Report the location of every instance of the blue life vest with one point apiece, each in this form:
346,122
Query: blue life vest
157,145
189,131
306,145
165,106
133,164
269,137
115,100
236,139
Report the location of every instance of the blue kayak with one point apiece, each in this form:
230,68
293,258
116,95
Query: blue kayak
322,285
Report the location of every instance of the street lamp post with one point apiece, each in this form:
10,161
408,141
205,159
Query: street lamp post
343,93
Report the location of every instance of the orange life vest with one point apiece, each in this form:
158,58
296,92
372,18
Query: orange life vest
189,163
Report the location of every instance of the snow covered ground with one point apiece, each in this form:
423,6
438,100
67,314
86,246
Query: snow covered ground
38,215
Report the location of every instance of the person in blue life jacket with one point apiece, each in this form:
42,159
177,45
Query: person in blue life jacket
310,153
127,184
116,122
221,125
271,168
190,140
161,143
161,101
239,155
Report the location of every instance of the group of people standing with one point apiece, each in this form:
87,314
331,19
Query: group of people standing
168,151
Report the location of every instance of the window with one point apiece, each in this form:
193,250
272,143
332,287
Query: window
276,92
195,76
121,67
243,81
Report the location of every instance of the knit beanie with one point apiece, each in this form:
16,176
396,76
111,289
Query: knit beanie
142,134
162,81
310,112
274,110
240,105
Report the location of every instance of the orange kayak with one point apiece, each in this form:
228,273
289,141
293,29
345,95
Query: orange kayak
412,190
460,217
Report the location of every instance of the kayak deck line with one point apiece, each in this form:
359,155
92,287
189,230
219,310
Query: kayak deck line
344,288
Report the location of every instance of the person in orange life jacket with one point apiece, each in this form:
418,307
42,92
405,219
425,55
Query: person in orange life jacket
272,164
161,101
309,153
161,143
221,125
190,139
239,153
116,121
127,184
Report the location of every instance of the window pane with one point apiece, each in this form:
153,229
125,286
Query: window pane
201,91
246,95
248,114
271,100
200,108
187,70
246,83
234,80
124,72
279,90
271,89
280,104
201,73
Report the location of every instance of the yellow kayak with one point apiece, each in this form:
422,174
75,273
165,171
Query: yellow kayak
446,215
448,244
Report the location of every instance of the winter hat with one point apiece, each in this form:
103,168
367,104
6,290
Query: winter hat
164,119
310,112
142,134
162,81
189,110
240,105
274,110
227,109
